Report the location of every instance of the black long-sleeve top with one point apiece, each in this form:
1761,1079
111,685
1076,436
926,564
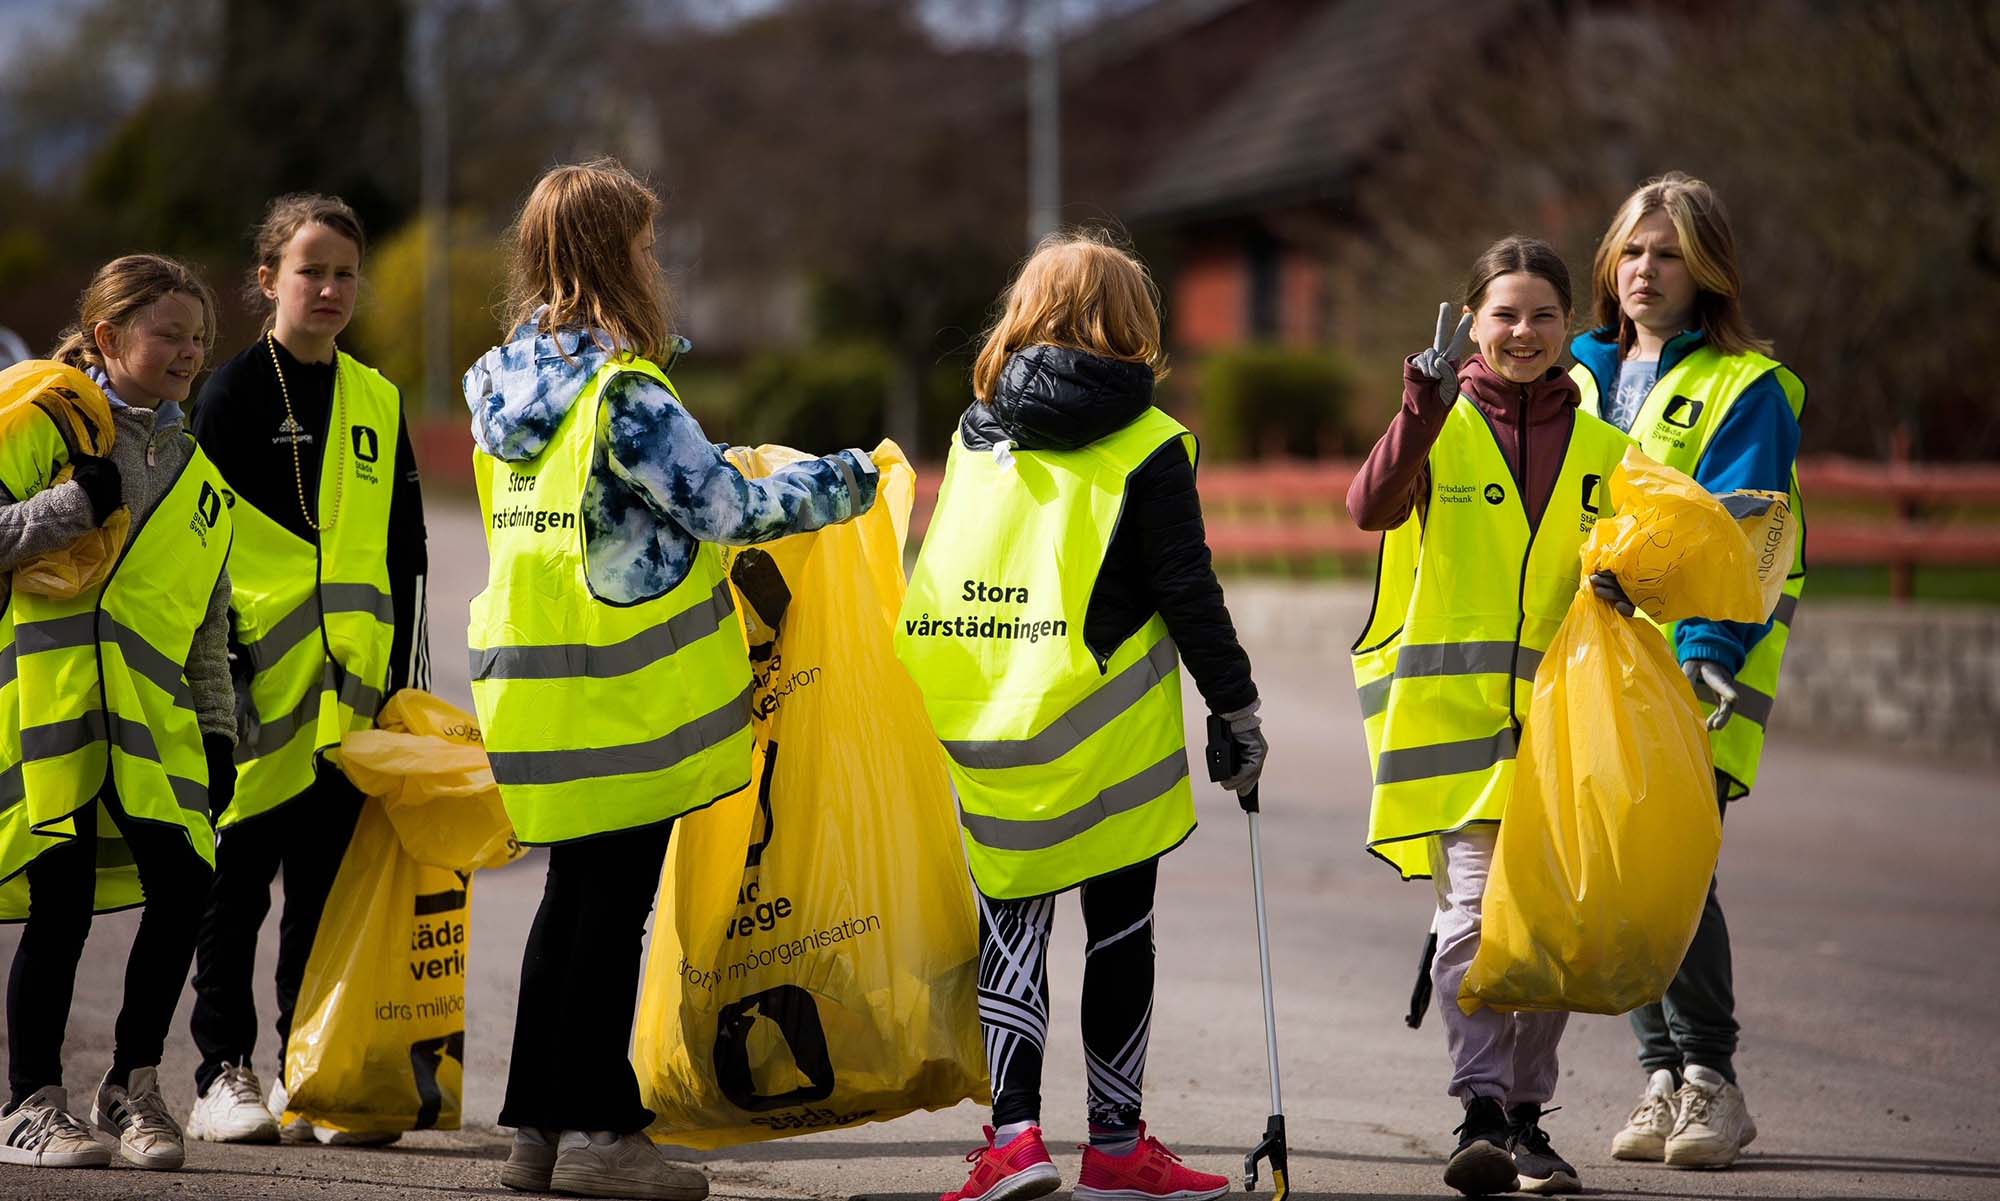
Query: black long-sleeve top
241,423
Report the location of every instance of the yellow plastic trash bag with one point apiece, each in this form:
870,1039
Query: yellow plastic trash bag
78,407
815,956
1611,836
378,1041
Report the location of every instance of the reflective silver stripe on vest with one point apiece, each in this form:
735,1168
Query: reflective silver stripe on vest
12,790
1448,659
270,737
86,629
1004,834
304,620
188,794
658,754
9,664
1753,704
60,738
578,660
1089,715
1444,758
1787,605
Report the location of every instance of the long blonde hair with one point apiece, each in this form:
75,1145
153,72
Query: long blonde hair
572,251
1078,289
1708,244
121,290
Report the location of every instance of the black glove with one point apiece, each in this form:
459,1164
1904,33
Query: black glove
1245,730
221,755
1611,592
100,481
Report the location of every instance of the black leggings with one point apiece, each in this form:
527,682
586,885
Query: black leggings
1117,996
62,886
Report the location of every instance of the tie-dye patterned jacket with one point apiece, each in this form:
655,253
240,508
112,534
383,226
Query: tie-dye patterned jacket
657,485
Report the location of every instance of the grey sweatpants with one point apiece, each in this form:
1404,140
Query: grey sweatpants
1510,1057
1696,1022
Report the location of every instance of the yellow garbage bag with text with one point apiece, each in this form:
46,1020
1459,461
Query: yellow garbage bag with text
378,1040
815,958
1612,832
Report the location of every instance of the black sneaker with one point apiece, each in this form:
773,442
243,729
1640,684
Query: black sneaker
1541,1169
1483,1164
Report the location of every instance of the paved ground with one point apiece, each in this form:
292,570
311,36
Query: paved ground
1859,890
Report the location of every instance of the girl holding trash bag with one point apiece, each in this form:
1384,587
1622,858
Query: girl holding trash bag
609,668
1065,578
326,623
116,715
1674,363
1486,484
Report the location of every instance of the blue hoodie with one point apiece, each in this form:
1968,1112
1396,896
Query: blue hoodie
657,485
1755,447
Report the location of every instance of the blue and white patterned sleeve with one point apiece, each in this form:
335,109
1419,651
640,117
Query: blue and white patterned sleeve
657,447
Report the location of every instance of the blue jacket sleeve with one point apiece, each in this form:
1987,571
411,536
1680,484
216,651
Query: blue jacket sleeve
1755,448
658,448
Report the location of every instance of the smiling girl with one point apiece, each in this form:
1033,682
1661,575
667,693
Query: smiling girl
119,714
327,622
1485,485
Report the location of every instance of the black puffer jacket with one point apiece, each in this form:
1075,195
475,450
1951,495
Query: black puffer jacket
1055,398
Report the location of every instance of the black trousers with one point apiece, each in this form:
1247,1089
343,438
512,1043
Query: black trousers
571,1068
1117,996
306,837
62,884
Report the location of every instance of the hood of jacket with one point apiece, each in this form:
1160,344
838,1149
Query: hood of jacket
1548,399
1058,398
519,392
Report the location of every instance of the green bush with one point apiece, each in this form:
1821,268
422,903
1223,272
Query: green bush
1260,401
388,330
817,399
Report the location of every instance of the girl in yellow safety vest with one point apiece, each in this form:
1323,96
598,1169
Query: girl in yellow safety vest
612,682
1674,362
1065,580
1485,483
148,645
327,622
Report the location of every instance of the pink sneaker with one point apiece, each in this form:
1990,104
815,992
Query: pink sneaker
1149,1173
1015,1172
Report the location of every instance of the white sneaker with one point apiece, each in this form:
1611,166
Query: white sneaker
136,1115
603,1164
531,1160
298,1131
1645,1134
232,1110
41,1133
327,1136
1713,1125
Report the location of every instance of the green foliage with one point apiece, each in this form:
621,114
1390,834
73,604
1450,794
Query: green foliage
388,329
1262,400
817,399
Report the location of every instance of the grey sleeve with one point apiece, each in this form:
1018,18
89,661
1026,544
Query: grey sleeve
208,666
46,521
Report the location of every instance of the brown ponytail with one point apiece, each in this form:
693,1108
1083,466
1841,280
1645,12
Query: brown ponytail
121,290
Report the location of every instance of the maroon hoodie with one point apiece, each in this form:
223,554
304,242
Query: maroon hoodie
1533,417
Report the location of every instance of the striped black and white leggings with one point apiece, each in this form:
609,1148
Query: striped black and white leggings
1117,996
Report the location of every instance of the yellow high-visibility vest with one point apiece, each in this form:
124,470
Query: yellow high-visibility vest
315,617
93,688
1467,598
1681,414
598,715
1067,766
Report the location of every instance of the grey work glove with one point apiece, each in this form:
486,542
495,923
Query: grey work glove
1440,359
1611,592
1245,729
1713,681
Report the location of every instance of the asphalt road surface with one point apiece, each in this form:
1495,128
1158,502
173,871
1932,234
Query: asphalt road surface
1860,893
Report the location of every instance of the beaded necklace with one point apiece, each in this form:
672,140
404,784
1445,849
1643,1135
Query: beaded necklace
340,438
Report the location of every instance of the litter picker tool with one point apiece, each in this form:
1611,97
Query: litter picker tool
1222,764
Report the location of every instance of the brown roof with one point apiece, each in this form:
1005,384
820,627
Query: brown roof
1314,108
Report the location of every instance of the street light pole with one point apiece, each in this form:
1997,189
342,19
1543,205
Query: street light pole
435,181
1044,119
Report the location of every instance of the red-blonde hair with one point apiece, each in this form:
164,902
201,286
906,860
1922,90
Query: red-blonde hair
1078,289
